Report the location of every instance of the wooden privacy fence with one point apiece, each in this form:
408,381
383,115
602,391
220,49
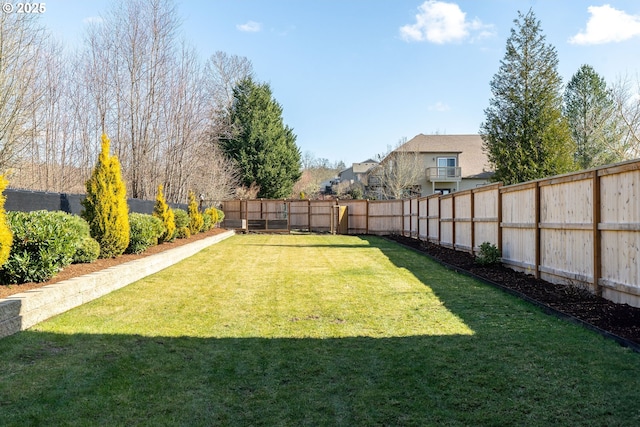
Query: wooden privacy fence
581,228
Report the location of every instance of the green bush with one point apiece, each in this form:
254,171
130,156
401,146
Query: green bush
44,243
181,219
207,222
220,216
183,232
145,230
489,254
87,250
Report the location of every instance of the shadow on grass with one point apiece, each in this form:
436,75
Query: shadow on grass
520,367
58,379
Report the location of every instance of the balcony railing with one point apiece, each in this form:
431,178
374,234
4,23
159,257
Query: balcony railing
450,173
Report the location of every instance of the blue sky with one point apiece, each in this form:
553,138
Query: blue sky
356,76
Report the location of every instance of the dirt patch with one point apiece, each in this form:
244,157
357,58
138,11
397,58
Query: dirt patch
621,320
76,270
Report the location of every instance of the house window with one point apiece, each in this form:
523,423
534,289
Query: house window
443,191
446,167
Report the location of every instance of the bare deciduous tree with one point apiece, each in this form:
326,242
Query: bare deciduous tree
626,96
222,74
398,173
20,47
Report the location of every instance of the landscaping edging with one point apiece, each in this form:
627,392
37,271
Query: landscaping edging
21,311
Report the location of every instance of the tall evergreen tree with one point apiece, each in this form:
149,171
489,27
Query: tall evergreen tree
263,148
525,135
105,207
590,112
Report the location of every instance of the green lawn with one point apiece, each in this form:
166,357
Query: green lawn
313,330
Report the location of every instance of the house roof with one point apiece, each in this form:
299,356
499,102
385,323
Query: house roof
471,158
363,167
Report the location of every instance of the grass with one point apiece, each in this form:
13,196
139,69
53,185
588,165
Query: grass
313,330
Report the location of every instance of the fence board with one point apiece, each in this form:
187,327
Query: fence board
566,230
519,227
433,218
299,214
486,215
357,215
463,208
423,218
385,217
320,215
620,248
446,221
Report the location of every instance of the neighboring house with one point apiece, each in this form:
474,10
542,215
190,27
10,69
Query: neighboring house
447,163
357,172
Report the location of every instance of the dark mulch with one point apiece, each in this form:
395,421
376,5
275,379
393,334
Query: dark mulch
620,320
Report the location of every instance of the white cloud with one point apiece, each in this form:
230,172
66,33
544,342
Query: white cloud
439,106
250,27
606,25
441,22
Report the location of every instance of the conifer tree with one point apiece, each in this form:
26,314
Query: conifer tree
162,211
261,146
6,236
196,222
591,114
525,135
105,206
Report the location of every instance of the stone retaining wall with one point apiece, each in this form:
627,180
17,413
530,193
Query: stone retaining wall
21,311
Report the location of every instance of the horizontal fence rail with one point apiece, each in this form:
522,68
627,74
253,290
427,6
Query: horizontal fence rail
578,229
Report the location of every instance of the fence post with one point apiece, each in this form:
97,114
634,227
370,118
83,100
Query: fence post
440,220
499,201
366,221
418,217
597,246
536,220
473,226
453,220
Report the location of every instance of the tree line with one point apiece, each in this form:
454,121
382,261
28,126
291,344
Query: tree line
170,115
536,127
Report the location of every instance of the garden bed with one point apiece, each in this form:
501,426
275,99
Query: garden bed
620,320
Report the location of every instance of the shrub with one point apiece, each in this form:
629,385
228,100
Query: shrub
6,237
145,232
44,242
207,222
195,217
220,216
105,207
489,254
162,211
213,213
87,250
182,222
86,245
183,232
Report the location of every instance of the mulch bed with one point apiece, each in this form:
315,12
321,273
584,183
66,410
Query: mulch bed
619,320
